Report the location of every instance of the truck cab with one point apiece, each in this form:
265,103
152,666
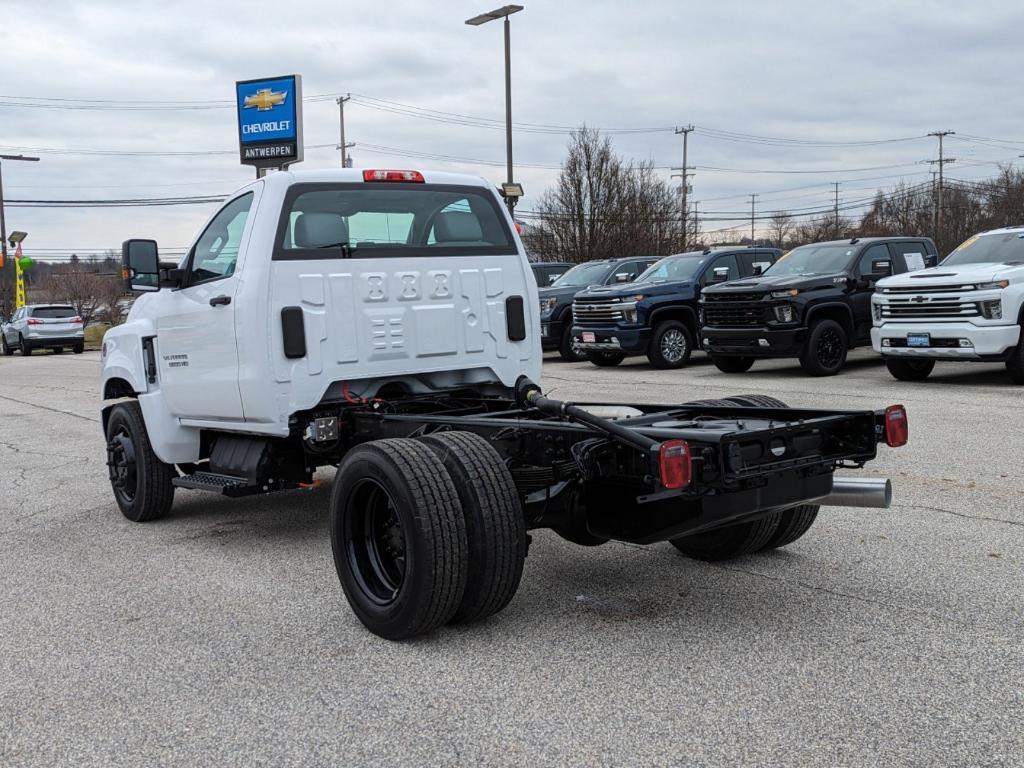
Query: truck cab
813,304
656,315
309,287
968,308
556,300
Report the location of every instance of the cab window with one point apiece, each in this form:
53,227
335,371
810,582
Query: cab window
877,252
726,262
216,253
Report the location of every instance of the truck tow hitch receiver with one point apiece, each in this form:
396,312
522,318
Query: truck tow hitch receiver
896,428
675,465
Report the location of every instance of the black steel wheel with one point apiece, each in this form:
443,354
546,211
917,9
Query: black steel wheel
399,538
729,541
671,345
909,370
495,526
606,359
140,481
569,347
732,364
826,348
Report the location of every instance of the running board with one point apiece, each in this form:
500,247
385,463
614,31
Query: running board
210,481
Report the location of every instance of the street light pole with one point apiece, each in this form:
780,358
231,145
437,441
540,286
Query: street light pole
3,220
503,13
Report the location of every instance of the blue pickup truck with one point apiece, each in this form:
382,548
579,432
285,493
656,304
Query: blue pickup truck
657,314
556,299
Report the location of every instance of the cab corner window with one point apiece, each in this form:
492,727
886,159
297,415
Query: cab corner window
216,254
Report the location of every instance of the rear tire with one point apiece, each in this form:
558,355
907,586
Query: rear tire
730,541
909,370
671,345
1015,363
140,481
24,346
495,526
399,538
568,349
605,359
794,523
79,349
58,350
756,401
826,348
732,364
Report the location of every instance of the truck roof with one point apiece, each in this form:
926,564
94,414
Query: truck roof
1015,228
327,175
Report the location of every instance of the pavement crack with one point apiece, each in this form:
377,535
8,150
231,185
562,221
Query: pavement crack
48,408
1017,523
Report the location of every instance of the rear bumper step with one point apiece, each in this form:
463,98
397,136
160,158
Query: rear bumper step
210,481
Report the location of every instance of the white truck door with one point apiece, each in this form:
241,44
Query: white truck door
196,346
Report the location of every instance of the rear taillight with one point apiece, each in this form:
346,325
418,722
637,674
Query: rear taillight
674,464
896,429
412,176
75,320
33,321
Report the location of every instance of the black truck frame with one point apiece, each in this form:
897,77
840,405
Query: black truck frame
435,493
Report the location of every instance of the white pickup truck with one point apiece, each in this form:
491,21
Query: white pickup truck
969,307
385,322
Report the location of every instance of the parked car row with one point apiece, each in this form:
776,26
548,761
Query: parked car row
814,304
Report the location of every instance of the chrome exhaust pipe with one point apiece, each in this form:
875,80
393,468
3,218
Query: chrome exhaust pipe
865,492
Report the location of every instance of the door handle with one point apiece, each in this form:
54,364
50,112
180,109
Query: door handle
220,301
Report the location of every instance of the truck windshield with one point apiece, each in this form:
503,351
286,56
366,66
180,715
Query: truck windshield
998,249
814,259
681,267
582,274
375,220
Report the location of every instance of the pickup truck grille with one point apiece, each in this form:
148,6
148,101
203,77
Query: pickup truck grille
924,307
597,311
734,310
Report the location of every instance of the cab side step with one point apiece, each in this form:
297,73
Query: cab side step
227,485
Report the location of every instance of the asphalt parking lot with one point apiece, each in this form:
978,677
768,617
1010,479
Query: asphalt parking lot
219,635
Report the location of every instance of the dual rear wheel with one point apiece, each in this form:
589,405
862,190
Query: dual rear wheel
426,532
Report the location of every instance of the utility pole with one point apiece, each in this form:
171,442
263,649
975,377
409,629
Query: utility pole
696,219
752,197
3,221
935,206
685,173
346,161
836,209
942,162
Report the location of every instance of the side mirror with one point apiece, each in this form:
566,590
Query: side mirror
880,268
140,265
622,277
720,275
758,269
552,278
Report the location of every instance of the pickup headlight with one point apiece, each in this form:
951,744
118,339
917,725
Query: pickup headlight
548,305
785,294
876,311
784,313
997,285
629,314
991,309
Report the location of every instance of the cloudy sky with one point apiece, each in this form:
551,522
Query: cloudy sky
816,94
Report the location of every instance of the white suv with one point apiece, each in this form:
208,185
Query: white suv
967,308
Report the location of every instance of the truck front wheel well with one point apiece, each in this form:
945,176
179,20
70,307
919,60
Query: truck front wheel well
116,388
833,312
684,315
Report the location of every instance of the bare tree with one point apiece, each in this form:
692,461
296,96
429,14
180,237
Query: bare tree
82,290
601,207
781,227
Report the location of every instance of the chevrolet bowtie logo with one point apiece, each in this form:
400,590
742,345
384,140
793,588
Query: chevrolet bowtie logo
265,99
919,299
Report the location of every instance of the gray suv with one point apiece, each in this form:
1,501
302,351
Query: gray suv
43,326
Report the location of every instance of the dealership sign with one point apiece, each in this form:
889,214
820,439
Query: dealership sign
270,121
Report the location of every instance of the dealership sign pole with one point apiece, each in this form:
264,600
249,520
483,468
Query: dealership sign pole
269,122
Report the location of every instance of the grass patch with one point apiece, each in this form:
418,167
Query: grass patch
94,335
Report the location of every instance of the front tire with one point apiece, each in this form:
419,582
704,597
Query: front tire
399,538
732,364
568,349
670,346
909,370
141,482
605,359
495,526
826,348
1015,363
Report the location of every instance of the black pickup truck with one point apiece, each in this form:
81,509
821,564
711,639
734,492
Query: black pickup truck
813,304
657,315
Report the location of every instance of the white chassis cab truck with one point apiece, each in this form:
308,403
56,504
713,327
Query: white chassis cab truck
385,322
969,307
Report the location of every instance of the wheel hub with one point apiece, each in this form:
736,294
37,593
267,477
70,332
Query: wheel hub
121,464
673,345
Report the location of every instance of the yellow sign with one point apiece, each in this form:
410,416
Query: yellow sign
265,99
19,281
